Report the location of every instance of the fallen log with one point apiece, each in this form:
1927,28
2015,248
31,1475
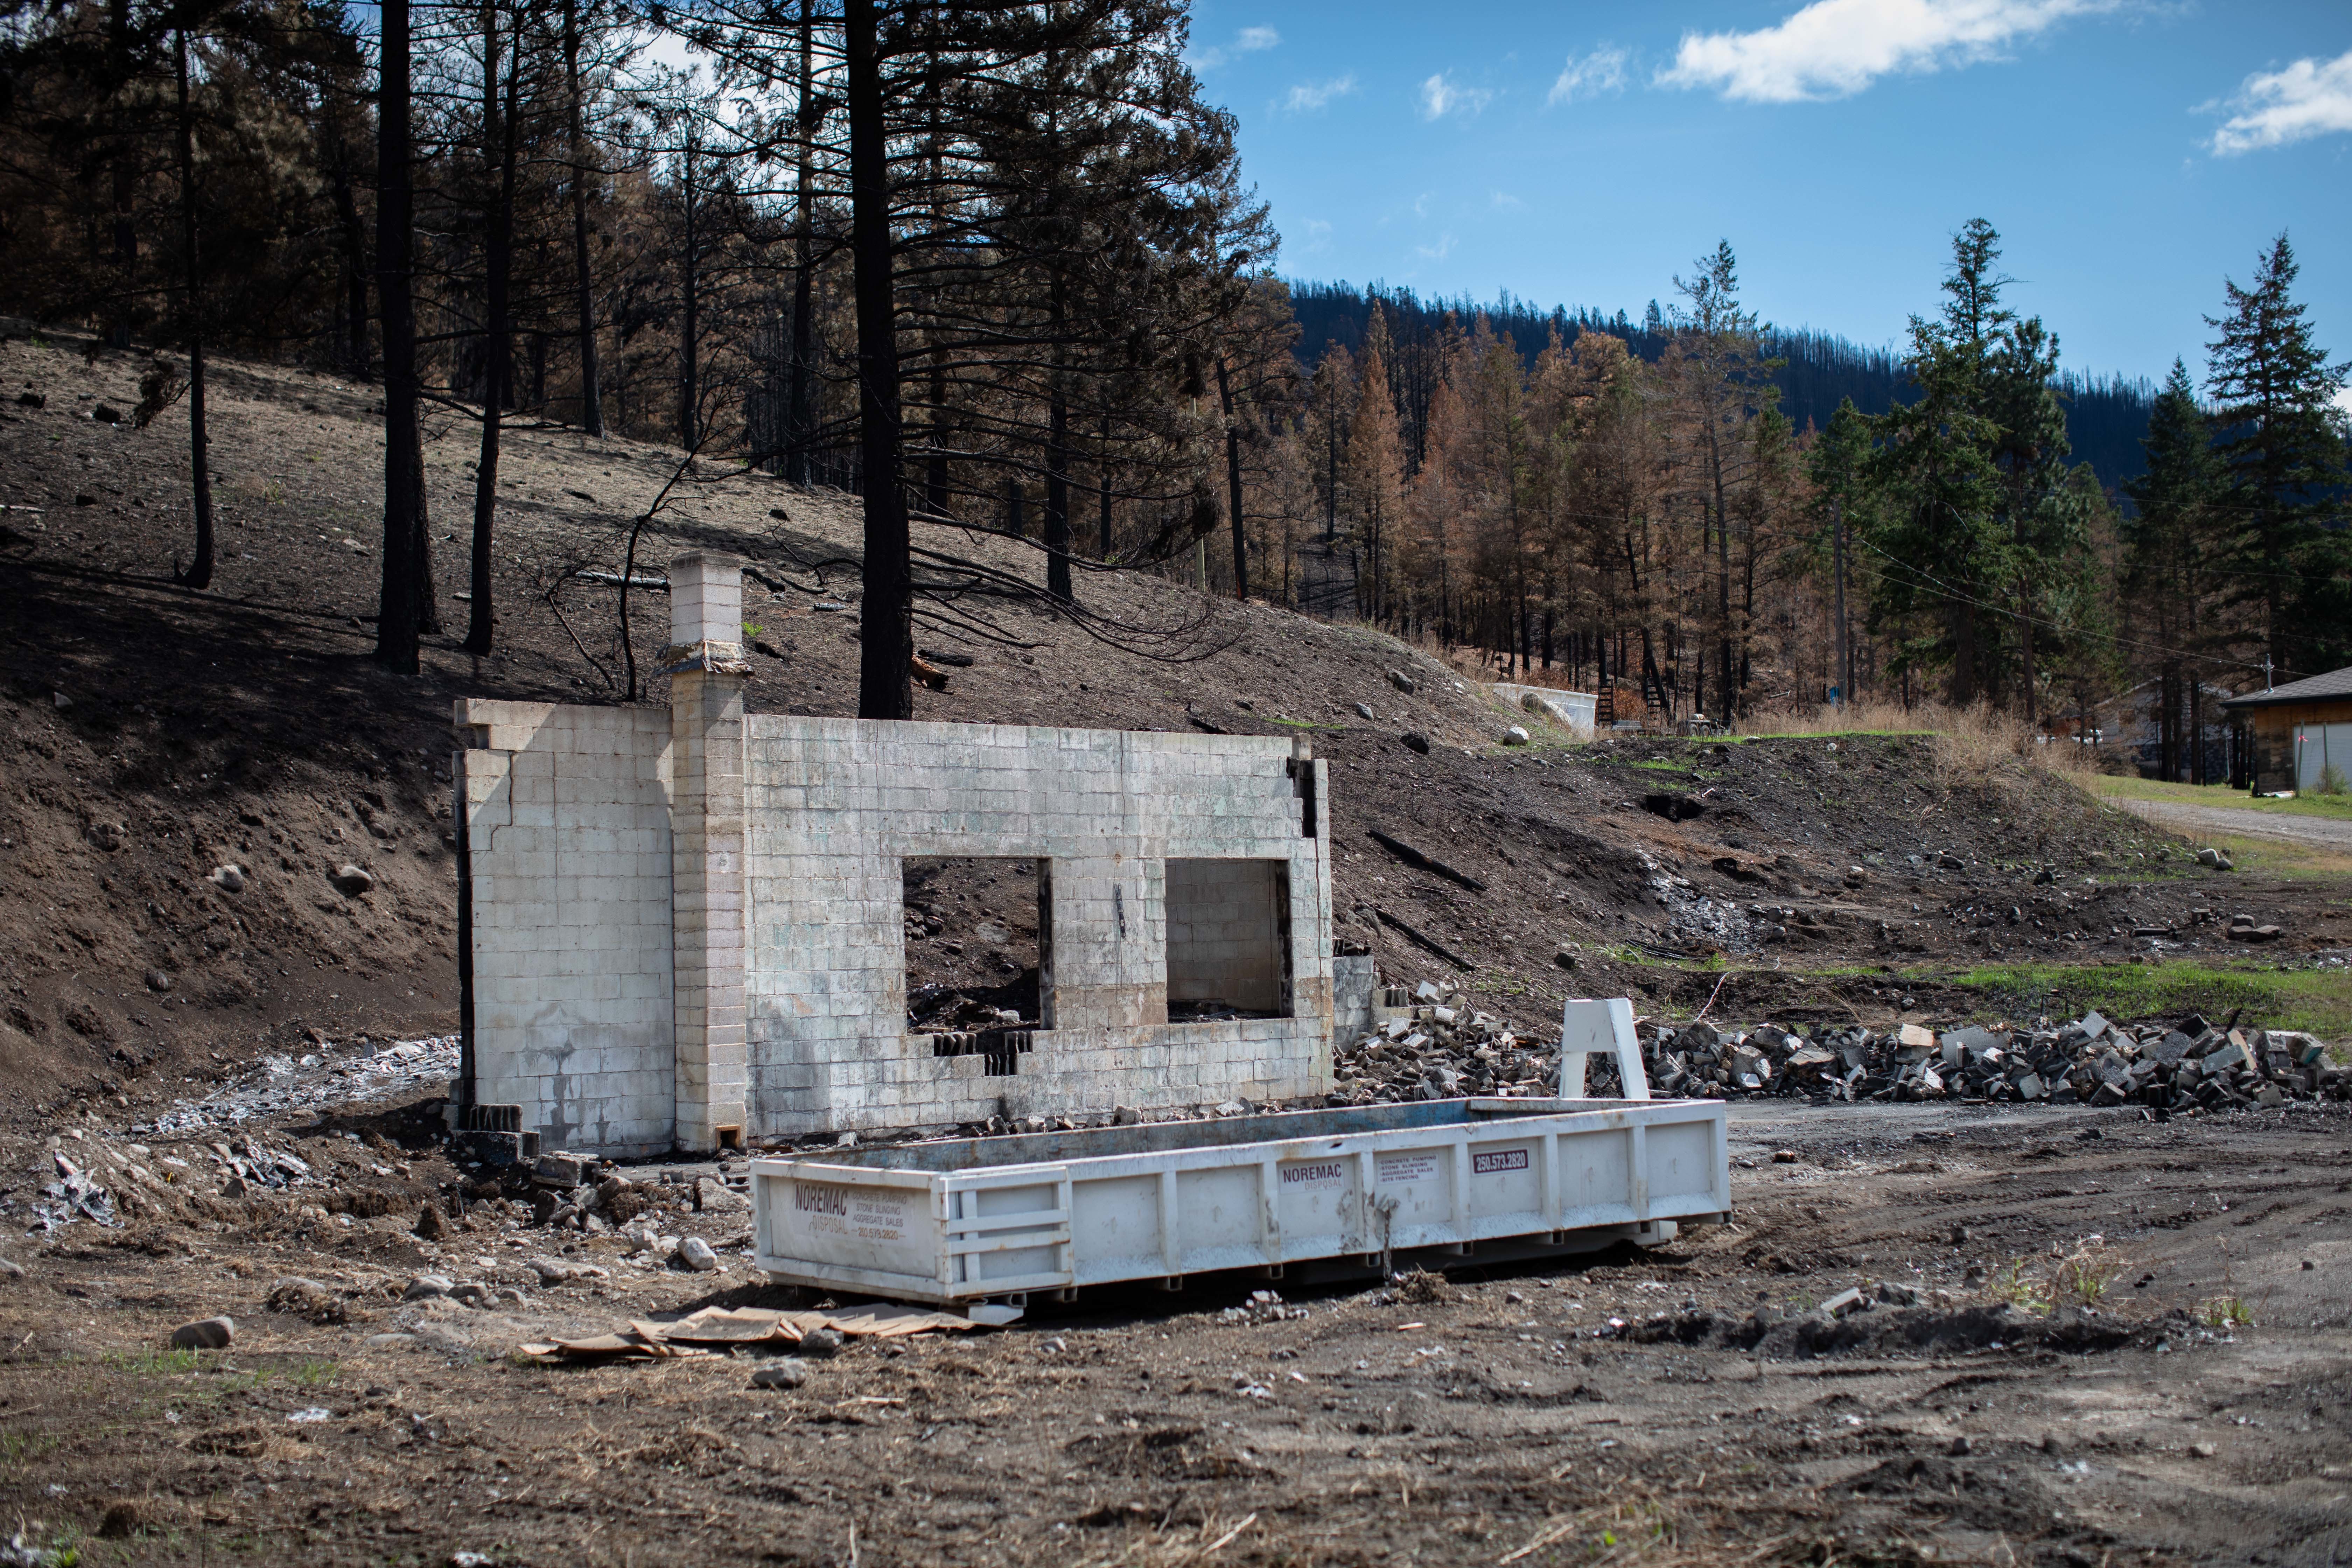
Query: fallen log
1414,857
1422,939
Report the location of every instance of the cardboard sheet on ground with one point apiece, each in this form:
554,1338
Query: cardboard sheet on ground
716,1329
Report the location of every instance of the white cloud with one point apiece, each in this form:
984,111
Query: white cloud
1441,96
1248,41
1319,234
2309,98
1310,96
1835,49
1438,252
1603,70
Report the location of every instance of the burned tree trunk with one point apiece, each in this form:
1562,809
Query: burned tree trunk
886,649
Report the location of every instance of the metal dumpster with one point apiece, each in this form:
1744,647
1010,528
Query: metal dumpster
1315,1192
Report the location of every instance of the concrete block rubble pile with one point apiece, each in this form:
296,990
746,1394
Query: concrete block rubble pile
2182,1066
107,1181
1444,1049
581,1192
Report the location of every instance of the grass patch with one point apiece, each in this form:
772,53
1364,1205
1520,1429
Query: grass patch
2291,857
1828,733
157,1363
2221,796
2224,1313
18,1447
318,1373
2319,1001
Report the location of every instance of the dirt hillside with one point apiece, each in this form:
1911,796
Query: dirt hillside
154,735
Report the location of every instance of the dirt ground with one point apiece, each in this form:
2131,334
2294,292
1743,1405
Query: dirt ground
2326,833
1547,1411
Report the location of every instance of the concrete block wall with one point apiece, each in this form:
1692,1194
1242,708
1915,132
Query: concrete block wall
834,806
568,828
707,907
1222,926
689,921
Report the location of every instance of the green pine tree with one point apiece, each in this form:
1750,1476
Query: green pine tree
2281,461
1983,522
1838,468
2169,545
2042,513
1945,557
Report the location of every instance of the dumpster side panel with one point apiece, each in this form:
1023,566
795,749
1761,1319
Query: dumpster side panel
1010,1231
1596,1177
1220,1217
1506,1184
1317,1201
869,1230
1682,1171
1419,1182
1115,1229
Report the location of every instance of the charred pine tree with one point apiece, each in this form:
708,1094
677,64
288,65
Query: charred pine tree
499,140
592,402
886,635
199,574
398,610
800,404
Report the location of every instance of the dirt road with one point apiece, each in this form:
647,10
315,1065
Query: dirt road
2324,833
1535,1415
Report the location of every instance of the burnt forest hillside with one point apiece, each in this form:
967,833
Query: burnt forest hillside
2107,417
152,736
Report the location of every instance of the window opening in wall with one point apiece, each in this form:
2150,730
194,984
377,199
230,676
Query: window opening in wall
1302,784
1228,940
978,958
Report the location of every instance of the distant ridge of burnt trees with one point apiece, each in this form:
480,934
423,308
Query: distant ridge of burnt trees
2107,417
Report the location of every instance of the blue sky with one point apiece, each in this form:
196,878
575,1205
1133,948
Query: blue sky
2131,153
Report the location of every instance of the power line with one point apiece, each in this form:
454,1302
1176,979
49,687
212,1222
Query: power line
1946,591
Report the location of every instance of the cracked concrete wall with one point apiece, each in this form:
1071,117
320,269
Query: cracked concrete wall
567,829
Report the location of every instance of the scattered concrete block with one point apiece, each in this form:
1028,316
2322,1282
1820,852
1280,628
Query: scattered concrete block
562,1170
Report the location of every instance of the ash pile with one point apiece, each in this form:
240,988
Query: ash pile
1441,1048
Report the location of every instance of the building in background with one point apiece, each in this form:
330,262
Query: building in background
2297,737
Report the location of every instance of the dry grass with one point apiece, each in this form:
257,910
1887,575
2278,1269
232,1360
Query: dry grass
1971,742
2084,1276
